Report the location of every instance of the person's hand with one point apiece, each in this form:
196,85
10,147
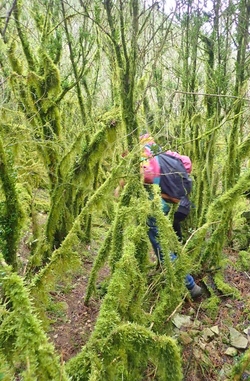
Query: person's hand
119,188
117,192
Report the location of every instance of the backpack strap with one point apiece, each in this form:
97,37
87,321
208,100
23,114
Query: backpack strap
169,198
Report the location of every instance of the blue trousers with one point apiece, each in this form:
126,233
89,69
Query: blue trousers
153,236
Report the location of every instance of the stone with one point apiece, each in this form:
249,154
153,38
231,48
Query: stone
207,334
182,321
247,331
231,351
201,344
215,329
185,338
237,339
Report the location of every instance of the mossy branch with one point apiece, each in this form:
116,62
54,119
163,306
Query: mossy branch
11,215
113,341
231,196
127,351
244,148
73,60
173,271
61,190
96,150
74,176
114,308
141,345
100,260
224,287
113,246
23,37
219,211
27,346
64,257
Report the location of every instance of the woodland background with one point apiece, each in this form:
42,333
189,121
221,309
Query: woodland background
80,81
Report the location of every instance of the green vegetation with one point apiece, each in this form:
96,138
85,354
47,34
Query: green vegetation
80,82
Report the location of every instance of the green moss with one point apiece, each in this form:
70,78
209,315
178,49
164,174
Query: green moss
16,64
26,338
11,216
243,260
99,262
240,233
111,118
6,373
211,305
240,239
224,287
25,200
51,74
41,205
34,81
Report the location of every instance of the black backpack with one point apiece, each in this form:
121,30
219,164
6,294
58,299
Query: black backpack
175,182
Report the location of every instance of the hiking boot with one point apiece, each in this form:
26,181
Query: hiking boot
196,291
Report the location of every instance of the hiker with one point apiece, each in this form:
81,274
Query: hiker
171,172
194,289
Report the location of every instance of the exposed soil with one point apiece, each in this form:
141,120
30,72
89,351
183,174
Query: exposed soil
74,321
203,360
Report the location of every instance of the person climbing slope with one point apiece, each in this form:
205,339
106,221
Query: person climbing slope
170,171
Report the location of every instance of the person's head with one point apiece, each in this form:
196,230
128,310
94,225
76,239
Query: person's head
146,139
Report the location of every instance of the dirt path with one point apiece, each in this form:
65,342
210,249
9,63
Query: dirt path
204,358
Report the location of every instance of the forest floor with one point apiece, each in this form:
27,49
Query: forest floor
207,353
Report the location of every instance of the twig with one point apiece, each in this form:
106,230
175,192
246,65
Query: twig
198,310
247,274
8,19
176,309
211,95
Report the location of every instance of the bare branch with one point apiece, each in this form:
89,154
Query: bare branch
7,21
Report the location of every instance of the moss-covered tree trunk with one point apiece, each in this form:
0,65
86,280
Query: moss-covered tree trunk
40,86
126,61
10,210
232,170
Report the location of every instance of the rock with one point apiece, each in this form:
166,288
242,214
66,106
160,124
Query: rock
237,340
207,334
201,344
247,331
232,352
215,329
196,323
185,338
194,332
182,321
